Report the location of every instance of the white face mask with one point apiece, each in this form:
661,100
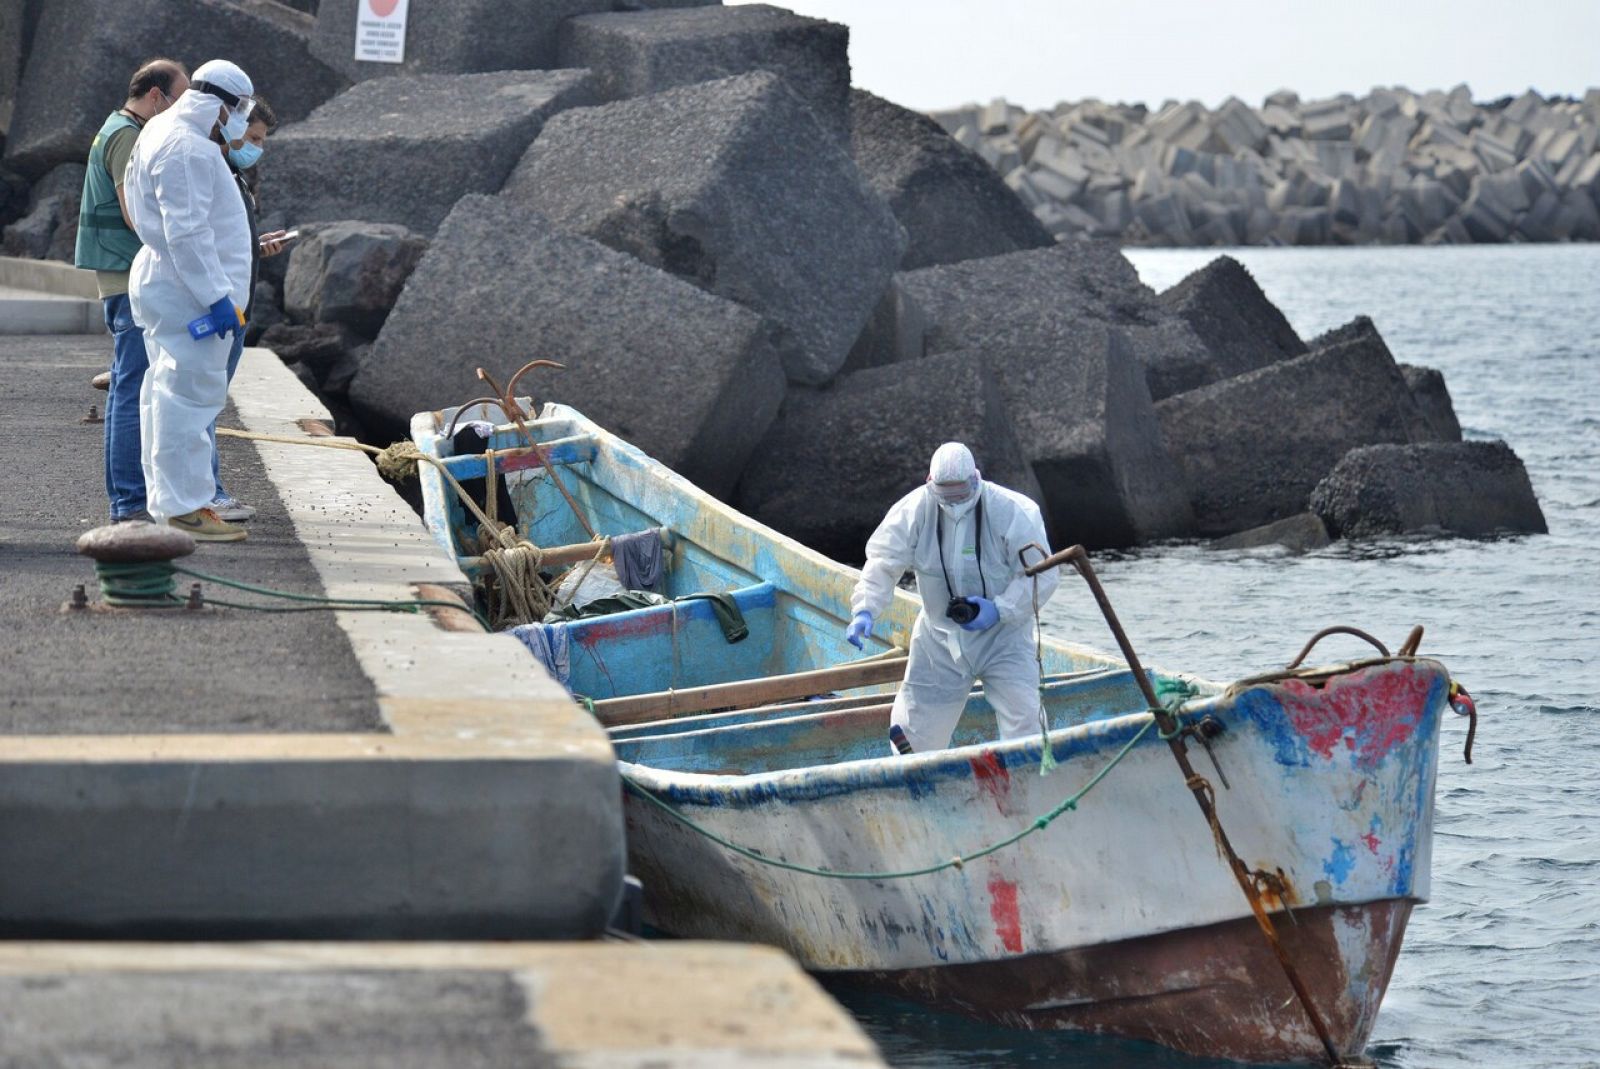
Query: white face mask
956,501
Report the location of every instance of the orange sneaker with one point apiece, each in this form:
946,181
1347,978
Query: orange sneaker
205,526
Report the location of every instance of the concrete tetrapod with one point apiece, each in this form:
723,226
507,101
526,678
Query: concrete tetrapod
633,53
78,68
405,149
735,187
688,377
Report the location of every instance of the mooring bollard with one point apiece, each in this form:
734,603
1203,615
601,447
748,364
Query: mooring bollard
133,565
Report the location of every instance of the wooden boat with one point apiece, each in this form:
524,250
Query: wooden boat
1119,916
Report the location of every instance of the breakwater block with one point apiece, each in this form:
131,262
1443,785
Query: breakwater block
1044,294
952,204
733,186
1252,447
463,36
807,479
405,149
688,377
77,70
1239,327
350,273
896,331
1463,488
1432,396
636,52
1300,533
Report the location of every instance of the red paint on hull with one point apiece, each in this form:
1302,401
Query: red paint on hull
1214,991
1370,713
1007,918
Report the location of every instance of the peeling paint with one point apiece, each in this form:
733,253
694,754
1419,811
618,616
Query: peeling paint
1340,863
1007,917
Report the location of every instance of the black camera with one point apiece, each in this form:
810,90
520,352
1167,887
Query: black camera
961,611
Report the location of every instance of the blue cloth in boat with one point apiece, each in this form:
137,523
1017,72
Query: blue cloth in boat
638,559
550,644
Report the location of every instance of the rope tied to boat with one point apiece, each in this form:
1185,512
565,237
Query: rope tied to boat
1069,804
521,596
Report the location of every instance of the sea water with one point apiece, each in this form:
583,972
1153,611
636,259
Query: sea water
1501,967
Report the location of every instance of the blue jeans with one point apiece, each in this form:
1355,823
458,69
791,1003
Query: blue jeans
233,365
124,469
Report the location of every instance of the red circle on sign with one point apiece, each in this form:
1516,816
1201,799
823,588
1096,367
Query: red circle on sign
383,8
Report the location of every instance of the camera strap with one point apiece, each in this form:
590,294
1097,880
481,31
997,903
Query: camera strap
977,544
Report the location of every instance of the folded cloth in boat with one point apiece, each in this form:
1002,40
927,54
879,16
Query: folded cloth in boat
549,643
726,610
638,559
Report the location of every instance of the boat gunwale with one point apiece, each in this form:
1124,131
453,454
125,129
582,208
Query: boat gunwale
894,771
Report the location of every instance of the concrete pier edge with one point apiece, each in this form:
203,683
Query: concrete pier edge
680,1005
490,810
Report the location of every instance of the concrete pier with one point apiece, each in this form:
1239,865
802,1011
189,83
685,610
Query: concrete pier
406,1005
246,774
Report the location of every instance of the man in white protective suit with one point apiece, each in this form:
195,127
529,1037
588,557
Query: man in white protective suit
186,288
961,535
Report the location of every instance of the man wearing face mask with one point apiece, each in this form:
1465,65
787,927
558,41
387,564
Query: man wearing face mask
188,288
242,156
107,246
961,536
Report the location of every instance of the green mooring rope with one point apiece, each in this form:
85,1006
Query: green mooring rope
953,863
143,583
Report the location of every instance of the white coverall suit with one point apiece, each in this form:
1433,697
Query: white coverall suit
944,658
186,209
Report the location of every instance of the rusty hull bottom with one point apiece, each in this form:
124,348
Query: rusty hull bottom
1216,991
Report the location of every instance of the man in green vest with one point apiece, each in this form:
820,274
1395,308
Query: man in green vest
107,245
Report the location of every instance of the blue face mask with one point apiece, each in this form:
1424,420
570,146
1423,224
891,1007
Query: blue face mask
245,156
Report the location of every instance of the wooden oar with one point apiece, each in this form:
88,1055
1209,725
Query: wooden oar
640,708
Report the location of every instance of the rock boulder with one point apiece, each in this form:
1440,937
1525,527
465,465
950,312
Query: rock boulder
952,204
82,58
690,378
1463,488
405,149
833,464
1428,390
463,36
49,227
350,273
1240,328
459,37
1252,447
1045,294
633,53
1300,533
734,186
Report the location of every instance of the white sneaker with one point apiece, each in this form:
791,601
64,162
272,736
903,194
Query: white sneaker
231,509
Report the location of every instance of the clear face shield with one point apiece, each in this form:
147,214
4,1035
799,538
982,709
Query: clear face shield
238,120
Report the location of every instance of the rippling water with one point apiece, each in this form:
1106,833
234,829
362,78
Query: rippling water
1502,966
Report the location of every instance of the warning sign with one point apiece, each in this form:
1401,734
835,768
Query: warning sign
381,30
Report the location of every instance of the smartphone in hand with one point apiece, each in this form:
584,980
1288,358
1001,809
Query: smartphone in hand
288,236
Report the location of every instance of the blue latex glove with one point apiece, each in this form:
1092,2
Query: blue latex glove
860,628
987,616
223,319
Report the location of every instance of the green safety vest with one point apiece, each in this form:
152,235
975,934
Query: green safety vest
104,241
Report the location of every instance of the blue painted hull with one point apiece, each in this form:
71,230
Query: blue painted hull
1330,777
